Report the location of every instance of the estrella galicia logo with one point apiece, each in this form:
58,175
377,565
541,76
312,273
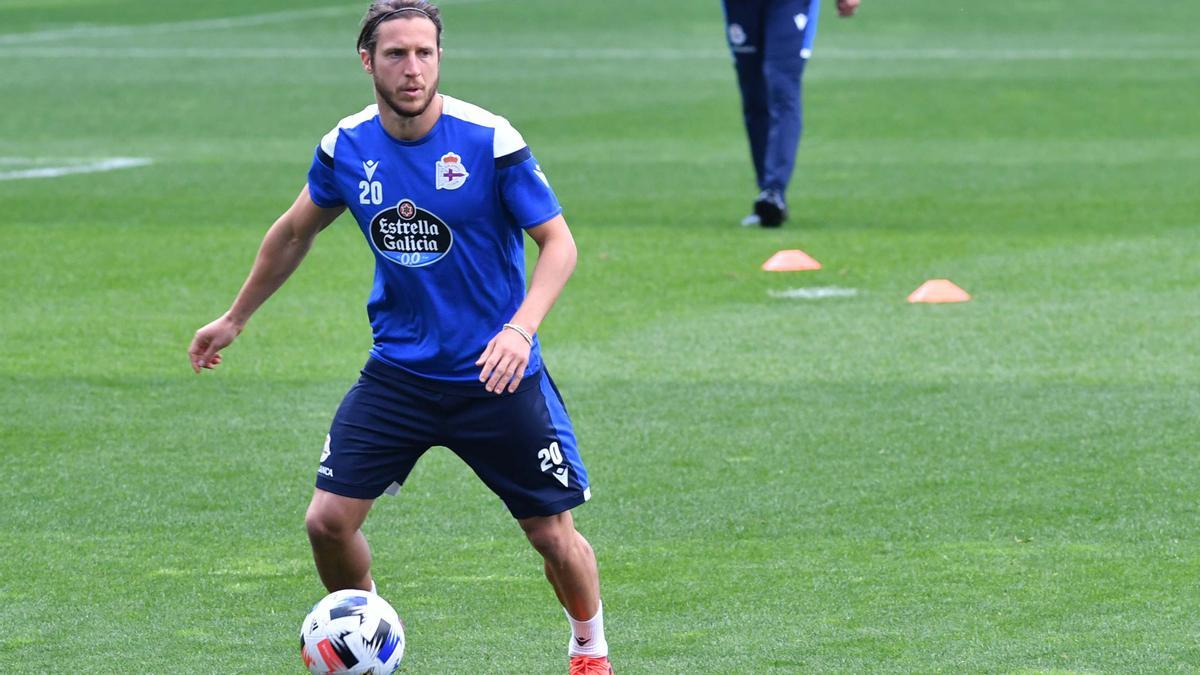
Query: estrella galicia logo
409,235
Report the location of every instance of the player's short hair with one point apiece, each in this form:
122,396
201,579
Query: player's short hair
386,10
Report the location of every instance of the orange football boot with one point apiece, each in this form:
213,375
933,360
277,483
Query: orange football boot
590,665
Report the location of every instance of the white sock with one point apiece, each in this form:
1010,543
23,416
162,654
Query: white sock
587,637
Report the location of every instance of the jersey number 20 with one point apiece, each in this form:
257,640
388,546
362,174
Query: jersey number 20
372,192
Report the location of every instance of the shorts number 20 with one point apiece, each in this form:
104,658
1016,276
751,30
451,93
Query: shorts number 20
550,456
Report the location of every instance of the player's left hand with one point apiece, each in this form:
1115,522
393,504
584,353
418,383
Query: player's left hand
846,8
504,361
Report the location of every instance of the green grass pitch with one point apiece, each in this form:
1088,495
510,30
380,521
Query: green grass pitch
781,485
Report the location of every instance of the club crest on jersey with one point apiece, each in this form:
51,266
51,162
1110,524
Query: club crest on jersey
451,174
408,235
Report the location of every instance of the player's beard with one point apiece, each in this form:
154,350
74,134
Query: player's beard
390,99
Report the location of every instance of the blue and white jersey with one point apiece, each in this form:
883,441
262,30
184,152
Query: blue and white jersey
445,217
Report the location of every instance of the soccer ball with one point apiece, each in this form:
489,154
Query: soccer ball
352,632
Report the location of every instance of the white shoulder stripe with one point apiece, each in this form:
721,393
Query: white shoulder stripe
506,141
329,141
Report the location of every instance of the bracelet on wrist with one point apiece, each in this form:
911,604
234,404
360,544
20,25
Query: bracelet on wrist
520,331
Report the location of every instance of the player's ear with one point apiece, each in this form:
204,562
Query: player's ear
367,61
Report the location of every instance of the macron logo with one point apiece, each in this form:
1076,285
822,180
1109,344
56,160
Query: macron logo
369,167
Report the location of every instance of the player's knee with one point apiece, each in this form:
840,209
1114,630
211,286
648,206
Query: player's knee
754,107
323,526
783,78
552,545
554,539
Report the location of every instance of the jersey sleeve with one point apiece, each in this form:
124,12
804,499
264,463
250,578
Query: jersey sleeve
322,185
524,189
526,192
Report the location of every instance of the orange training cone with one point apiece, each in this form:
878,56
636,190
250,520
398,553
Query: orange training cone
939,290
791,260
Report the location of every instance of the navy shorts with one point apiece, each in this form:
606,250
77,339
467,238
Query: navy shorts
521,444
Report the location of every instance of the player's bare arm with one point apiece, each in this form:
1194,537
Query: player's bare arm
283,248
507,353
847,8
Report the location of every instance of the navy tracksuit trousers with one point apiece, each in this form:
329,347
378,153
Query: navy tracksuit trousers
771,41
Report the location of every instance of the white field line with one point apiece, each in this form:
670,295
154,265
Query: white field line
602,54
77,166
90,31
916,54
814,293
1010,54
187,26
188,53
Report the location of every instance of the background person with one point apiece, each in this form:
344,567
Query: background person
771,41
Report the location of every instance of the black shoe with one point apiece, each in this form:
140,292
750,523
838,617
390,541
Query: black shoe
770,208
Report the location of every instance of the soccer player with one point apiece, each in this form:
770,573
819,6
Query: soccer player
771,41
444,193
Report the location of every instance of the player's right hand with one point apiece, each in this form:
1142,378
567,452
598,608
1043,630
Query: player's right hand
504,362
208,342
